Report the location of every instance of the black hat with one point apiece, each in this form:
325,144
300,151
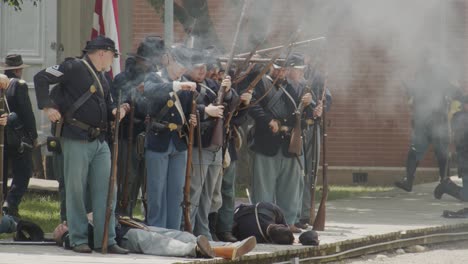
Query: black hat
101,43
28,231
13,62
151,46
295,60
309,238
181,54
198,58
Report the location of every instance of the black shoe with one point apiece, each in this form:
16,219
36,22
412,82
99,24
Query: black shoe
115,249
405,185
10,210
203,248
226,237
83,248
439,191
447,186
301,225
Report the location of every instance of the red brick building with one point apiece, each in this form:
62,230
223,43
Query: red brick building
369,124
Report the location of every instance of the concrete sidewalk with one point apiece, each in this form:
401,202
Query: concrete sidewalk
347,219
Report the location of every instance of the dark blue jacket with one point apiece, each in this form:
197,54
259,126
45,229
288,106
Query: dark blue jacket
74,80
157,94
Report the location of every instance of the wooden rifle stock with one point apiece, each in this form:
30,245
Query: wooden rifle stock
113,177
295,143
188,169
2,149
319,223
217,138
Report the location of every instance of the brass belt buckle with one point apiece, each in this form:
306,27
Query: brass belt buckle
310,121
172,126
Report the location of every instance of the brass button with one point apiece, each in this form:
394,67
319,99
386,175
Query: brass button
170,103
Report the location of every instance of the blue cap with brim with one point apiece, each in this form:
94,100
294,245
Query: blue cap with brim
101,43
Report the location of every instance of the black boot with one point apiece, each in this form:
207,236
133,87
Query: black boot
411,165
226,237
449,187
212,219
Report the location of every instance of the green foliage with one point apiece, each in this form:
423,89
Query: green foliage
17,3
158,5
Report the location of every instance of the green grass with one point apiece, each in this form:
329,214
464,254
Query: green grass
336,191
43,209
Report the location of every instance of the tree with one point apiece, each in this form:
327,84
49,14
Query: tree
17,3
195,18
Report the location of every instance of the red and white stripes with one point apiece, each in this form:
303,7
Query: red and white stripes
106,22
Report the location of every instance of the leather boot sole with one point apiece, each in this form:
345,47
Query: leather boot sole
243,247
204,247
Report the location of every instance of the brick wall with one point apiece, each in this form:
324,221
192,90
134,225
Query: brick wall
369,125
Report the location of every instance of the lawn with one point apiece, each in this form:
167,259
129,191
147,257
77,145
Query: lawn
43,209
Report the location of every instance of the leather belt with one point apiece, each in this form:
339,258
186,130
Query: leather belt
93,132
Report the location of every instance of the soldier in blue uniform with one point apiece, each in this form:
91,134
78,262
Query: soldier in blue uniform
137,67
84,102
277,174
460,139
207,159
22,133
168,105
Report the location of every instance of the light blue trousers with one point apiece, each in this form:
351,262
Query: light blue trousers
164,188
278,180
87,167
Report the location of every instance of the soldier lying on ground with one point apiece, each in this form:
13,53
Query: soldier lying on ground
140,238
266,222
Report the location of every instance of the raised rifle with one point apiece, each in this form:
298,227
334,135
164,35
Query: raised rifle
113,177
129,167
312,172
319,223
218,136
2,148
188,168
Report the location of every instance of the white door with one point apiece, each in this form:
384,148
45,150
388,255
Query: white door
31,32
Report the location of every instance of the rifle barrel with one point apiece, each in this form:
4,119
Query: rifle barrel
295,44
2,148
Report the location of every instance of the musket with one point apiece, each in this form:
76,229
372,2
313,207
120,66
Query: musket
295,143
250,88
319,223
251,60
312,172
218,135
129,167
188,169
113,177
2,148
295,44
